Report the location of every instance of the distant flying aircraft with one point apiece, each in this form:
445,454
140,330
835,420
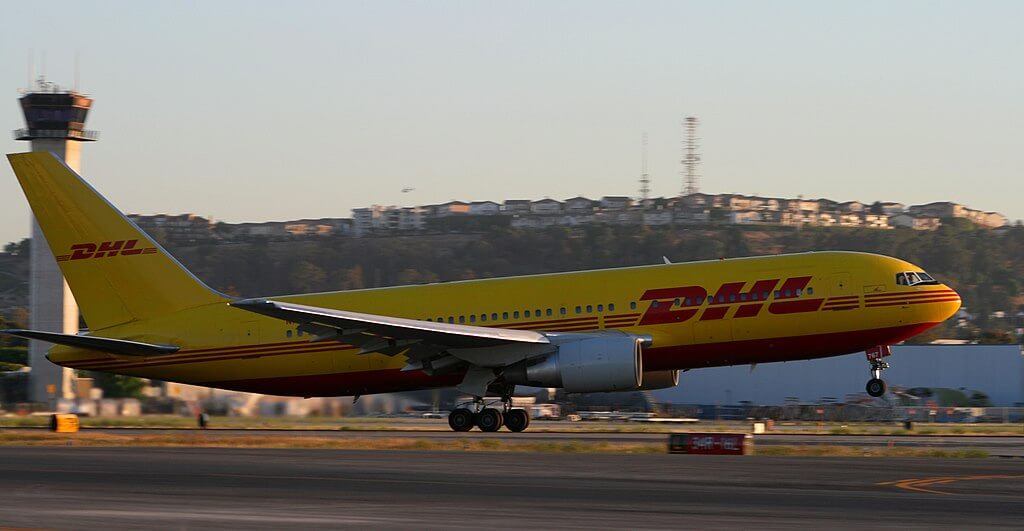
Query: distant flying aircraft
620,329
407,189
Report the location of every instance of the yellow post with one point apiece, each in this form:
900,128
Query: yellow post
61,423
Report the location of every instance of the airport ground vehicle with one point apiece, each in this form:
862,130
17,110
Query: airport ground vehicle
591,331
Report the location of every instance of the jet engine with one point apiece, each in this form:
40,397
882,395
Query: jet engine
599,363
659,380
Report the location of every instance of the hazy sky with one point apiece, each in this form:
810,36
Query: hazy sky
250,111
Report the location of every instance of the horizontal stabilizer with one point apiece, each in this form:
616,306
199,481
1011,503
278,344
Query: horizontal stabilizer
102,344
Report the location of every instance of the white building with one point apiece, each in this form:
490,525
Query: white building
484,208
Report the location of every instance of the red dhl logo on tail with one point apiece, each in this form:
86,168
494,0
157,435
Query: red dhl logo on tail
82,251
676,305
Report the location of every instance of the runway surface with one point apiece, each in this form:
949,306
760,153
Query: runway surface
155,488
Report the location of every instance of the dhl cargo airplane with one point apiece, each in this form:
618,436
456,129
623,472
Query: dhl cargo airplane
619,329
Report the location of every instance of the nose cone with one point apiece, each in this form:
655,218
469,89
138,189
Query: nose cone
949,303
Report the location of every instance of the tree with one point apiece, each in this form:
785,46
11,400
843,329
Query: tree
306,277
117,385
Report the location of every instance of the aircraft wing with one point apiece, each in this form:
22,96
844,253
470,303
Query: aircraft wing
102,344
347,326
428,346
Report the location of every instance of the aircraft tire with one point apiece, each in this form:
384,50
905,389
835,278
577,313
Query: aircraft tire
517,420
489,420
461,419
875,387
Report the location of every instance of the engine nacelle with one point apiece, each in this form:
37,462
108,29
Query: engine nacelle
659,380
602,363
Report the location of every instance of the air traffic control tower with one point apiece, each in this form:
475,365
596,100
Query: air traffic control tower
55,121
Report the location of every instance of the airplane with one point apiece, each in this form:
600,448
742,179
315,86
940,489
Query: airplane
622,329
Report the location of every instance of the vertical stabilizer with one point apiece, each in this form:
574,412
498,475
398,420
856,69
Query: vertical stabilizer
116,271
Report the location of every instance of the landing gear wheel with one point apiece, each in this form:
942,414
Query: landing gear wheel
875,387
517,420
460,419
489,419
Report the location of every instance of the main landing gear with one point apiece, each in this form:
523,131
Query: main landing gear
876,386
489,419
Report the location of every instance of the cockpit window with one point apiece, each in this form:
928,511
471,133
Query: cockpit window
914,278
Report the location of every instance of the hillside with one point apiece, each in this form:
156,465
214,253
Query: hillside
979,263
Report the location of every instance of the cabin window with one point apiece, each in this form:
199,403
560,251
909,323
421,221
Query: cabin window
654,304
675,302
700,300
472,318
462,319
611,307
483,317
764,296
526,313
300,333
600,308
562,310
287,333
579,310
732,297
686,301
537,312
799,292
590,309
494,316
451,319
810,291
787,293
515,314
504,316
743,297
777,294
632,305
721,298
549,312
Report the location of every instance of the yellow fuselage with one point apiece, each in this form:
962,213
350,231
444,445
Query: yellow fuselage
698,314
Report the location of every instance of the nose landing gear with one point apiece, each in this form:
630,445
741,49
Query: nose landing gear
876,386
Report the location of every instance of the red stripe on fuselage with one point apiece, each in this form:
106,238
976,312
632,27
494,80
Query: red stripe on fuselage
665,358
775,349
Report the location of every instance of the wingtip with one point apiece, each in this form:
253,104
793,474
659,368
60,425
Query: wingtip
248,303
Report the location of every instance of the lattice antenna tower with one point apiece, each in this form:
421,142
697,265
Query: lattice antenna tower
691,156
645,178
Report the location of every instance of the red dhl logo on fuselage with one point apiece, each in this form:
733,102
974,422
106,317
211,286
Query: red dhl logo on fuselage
82,251
676,305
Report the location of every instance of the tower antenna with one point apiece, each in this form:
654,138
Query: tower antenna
77,69
691,156
645,178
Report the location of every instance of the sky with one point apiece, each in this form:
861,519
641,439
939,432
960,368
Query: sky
253,111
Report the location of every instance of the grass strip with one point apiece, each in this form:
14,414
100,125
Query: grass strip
471,444
855,451
211,440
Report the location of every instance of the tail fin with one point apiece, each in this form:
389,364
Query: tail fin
116,272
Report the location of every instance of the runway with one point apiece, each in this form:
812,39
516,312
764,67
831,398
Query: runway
61,487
